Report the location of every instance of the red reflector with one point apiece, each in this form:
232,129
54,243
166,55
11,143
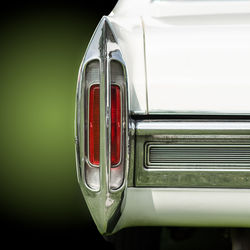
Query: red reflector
115,125
94,124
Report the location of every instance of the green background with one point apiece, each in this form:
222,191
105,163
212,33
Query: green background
41,49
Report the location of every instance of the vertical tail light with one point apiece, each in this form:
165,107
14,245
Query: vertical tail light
118,125
94,124
102,127
115,125
91,130
90,124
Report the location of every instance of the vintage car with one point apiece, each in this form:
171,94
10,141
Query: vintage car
163,116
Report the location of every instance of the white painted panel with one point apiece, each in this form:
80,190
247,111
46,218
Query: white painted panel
198,64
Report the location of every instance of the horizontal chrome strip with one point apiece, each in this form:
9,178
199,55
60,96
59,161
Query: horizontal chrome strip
192,127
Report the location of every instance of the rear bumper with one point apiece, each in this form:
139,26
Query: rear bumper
185,207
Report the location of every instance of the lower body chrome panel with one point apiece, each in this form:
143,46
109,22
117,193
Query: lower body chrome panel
191,153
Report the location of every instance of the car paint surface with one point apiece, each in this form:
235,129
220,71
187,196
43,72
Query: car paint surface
186,207
185,57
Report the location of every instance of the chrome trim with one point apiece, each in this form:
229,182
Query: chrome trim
201,164
131,152
104,202
196,112
91,173
145,63
118,173
191,133
194,127
121,104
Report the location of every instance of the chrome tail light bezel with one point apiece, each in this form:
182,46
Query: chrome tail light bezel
103,187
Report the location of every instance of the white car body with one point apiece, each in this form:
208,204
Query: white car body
193,50
184,58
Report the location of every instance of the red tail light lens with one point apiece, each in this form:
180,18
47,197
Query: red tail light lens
115,125
94,124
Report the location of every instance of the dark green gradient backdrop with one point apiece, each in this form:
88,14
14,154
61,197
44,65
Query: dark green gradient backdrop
41,49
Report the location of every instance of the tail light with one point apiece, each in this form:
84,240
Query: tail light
102,127
94,124
115,125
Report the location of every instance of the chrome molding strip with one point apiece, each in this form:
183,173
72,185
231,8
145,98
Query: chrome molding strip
145,63
198,112
197,156
104,202
191,133
195,127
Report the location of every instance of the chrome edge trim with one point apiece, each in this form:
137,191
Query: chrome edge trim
197,112
153,165
131,152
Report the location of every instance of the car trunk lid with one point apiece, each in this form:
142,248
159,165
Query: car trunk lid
198,64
